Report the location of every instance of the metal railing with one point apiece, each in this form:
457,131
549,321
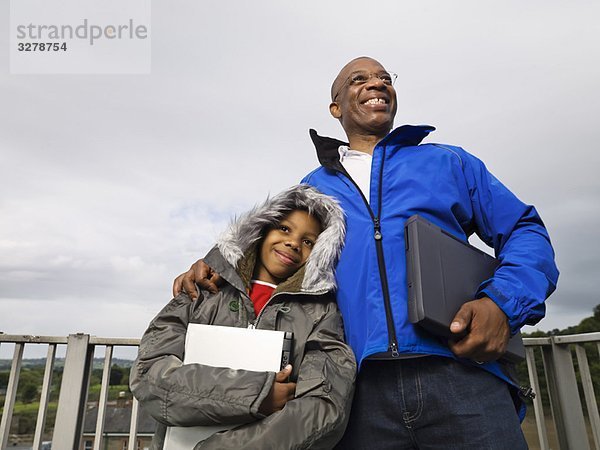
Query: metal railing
561,382
68,426
556,353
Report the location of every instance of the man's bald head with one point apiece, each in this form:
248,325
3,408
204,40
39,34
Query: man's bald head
345,73
364,99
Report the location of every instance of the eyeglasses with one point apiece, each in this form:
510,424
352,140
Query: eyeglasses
359,78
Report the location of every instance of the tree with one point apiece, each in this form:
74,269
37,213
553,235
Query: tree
116,375
4,378
28,392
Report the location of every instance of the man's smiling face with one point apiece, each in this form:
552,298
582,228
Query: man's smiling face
364,99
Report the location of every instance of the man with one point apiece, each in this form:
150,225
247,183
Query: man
415,390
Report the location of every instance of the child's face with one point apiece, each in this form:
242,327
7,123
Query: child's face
286,248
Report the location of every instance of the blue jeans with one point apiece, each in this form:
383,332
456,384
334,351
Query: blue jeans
431,403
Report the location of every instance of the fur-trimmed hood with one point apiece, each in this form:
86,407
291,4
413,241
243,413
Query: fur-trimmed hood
318,273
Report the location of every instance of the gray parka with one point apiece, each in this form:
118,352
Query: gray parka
324,366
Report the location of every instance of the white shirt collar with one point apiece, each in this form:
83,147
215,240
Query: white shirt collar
264,283
346,153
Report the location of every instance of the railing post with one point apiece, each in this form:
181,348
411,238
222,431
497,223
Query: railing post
11,394
588,390
564,397
538,407
73,393
133,426
44,398
104,388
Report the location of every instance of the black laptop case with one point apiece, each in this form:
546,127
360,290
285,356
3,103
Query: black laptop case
443,272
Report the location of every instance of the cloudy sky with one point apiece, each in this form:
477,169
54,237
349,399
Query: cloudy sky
111,185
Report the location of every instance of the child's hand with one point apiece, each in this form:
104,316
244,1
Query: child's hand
280,394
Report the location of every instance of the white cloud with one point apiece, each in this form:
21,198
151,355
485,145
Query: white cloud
112,185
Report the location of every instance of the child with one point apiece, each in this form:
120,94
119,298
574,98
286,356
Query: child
278,276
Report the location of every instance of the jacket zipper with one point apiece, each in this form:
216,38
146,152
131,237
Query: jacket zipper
392,338
378,236
254,324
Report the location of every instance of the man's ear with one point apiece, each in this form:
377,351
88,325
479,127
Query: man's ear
335,110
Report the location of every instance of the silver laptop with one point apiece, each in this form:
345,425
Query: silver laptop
235,348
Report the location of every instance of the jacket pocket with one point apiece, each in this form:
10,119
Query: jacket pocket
312,380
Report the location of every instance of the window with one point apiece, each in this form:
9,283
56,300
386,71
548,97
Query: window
88,445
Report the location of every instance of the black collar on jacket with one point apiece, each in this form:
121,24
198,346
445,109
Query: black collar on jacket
403,136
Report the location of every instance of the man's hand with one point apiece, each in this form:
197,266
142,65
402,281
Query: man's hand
200,274
481,330
280,394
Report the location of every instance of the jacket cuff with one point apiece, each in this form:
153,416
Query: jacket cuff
270,379
509,306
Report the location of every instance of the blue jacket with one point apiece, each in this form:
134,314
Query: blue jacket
454,190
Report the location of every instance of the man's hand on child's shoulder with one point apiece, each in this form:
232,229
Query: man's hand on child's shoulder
280,394
199,274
